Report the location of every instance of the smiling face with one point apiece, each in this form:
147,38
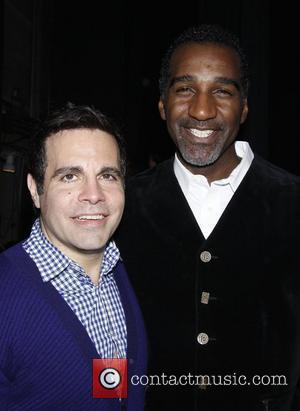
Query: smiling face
83,196
203,105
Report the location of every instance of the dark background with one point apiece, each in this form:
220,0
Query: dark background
108,54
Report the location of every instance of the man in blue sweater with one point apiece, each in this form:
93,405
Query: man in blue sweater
65,298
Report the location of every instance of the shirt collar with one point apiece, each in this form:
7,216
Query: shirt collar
186,178
51,261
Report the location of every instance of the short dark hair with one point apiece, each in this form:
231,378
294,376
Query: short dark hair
69,117
205,33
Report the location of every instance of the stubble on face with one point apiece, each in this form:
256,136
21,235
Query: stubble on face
204,97
200,154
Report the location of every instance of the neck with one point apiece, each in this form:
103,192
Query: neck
220,169
91,265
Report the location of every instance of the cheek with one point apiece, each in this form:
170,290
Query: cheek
176,109
231,115
121,201
56,203
176,115
172,116
117,200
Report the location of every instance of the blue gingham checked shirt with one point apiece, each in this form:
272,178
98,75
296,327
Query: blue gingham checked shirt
98,307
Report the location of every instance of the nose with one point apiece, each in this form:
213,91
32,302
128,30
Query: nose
202,107
91,191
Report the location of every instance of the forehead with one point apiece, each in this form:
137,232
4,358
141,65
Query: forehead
73,146
194,58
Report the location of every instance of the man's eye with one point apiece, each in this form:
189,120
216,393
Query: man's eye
223,92
184,90
108,177
69,178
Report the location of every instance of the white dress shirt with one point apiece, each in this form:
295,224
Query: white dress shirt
208,201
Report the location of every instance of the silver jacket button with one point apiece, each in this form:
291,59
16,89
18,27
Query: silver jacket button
205,256
202,338
204,297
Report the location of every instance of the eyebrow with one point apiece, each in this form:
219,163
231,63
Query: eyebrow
222,80
67,170
229,81
181,79
78,169
111,170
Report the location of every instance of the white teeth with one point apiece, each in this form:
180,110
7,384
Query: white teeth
201,133
91,217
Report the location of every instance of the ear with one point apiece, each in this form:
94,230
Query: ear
32,187
244,111
161,109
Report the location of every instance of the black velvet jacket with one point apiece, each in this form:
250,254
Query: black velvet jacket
232,314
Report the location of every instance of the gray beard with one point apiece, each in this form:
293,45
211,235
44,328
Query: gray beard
200,160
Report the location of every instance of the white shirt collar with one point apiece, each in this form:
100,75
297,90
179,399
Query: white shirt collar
186,178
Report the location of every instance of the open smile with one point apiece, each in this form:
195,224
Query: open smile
92,217
201,133
195,135
90,220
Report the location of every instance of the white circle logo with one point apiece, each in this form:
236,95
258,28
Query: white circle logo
110,378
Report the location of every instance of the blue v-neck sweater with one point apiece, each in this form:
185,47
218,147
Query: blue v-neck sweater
45,352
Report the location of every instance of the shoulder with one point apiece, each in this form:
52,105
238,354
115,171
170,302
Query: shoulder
14,263
16,292
270,175
152,182
275,190
9,258
148,177
122,279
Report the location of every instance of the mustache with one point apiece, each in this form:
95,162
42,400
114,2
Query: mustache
207,124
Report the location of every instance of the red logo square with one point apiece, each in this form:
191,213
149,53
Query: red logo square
110,378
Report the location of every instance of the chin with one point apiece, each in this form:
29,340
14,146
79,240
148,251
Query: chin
91,250
90,247
200,161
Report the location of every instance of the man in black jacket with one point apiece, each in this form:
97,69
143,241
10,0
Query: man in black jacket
210,240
